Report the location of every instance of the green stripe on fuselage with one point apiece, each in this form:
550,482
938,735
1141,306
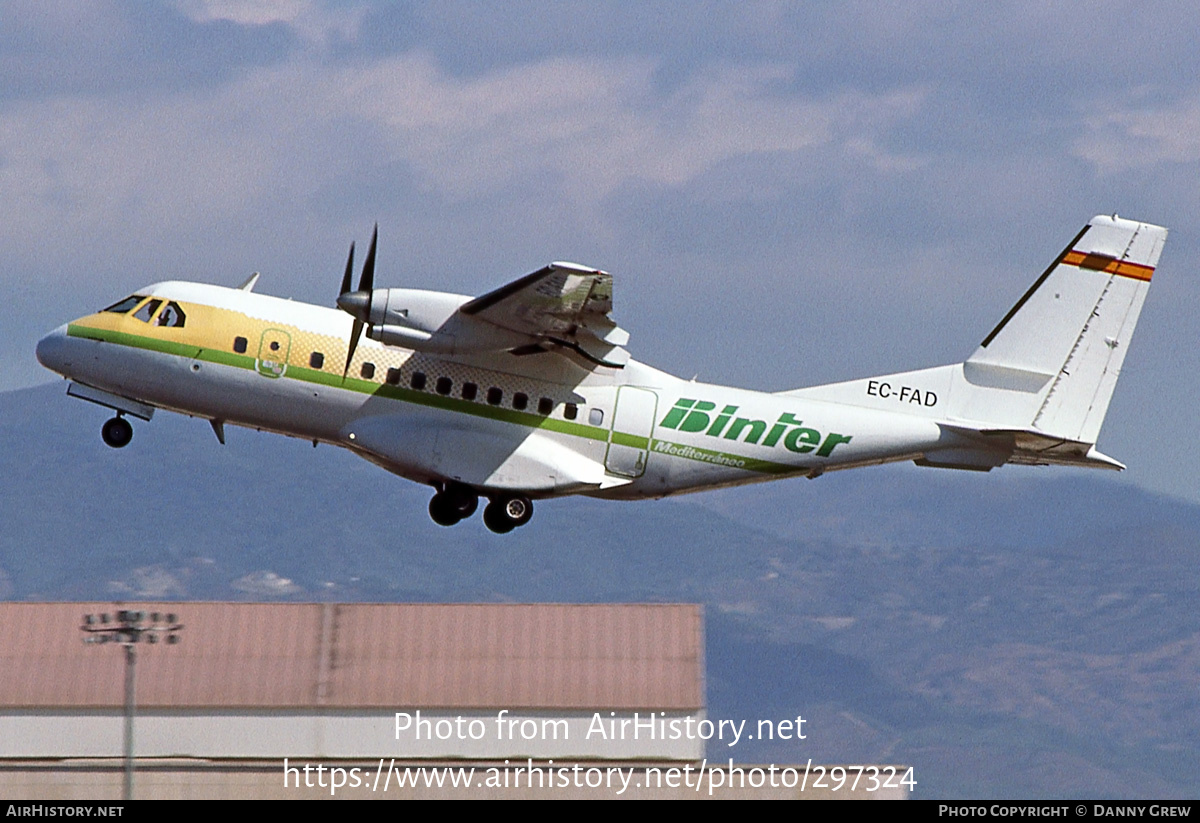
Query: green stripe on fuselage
635,441
385,390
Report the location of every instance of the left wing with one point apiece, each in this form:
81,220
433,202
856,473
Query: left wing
562,304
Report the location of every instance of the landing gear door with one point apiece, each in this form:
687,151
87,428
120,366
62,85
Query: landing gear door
631,432
273,351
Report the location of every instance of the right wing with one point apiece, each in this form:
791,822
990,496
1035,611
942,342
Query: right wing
562,304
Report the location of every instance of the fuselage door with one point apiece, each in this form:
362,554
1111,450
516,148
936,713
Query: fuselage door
632,429
273,352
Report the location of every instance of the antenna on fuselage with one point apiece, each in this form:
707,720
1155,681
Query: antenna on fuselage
249,284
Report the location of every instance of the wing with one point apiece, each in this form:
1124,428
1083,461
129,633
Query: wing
563,304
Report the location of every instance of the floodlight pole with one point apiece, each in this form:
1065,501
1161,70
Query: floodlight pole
129,628
130,686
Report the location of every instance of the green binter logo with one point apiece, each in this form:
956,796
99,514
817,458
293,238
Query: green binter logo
693,416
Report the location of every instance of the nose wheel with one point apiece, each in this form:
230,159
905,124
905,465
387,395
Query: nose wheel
117,432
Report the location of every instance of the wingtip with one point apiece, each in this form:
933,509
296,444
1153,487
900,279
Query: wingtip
575,267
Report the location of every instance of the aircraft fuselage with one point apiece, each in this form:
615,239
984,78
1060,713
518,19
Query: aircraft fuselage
527,393
262,362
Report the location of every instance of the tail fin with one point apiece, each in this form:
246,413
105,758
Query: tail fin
1059,350
1037,388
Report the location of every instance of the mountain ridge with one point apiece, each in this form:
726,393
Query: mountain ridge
1021,633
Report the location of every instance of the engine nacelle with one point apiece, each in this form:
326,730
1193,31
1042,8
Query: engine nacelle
429,321
415,309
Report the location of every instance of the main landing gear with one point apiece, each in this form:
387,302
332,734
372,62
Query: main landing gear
452,504
504,514
117,432
455,502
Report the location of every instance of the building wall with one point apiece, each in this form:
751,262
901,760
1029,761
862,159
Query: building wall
479,734
56,782
356,655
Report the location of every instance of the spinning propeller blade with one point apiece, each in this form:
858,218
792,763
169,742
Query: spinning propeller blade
346,277
358,303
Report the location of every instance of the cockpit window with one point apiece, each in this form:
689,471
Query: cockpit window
126,305
172,315
147,312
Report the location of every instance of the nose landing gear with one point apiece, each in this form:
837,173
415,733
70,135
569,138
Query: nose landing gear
117,432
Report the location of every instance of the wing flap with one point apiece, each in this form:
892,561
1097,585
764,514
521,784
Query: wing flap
563,303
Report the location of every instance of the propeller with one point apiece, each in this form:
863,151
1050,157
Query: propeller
349,267
358,303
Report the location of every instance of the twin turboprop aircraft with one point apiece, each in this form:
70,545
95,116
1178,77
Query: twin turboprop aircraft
527,392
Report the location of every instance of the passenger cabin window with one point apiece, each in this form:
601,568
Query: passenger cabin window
146,313
171,316
444,384
495,395
570,411
520,401
239,345
367,371
469,390
418,380
393,376
596,416
545,405
316,360
126,305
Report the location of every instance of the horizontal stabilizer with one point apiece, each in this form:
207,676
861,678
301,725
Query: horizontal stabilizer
1027,447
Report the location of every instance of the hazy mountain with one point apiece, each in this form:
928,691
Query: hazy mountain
1022,633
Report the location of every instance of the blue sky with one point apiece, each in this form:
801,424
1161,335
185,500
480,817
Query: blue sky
786,194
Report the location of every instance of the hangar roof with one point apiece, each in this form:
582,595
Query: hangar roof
338,655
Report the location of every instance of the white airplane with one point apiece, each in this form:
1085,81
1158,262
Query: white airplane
527,392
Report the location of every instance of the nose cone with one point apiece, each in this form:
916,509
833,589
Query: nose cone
356,303
52,350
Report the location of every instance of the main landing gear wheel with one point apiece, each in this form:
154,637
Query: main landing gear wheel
452,504
504,514
117,432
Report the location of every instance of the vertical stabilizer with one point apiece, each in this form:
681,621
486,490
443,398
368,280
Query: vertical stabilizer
1037,388
1065,339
